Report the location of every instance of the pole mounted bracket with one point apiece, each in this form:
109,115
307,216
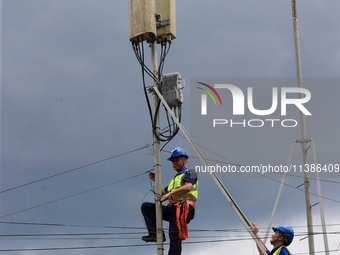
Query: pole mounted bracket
306,140
151,88
162,23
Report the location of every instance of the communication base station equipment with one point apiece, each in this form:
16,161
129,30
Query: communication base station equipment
171,87
142,20
150,23
151,19
166,19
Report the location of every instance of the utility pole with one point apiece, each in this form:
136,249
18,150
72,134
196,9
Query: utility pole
303,132
153,21
156,153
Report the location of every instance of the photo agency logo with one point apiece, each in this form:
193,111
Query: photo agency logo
288,96
204,97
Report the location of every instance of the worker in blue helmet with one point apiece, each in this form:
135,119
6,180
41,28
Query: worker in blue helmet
282,237
181,194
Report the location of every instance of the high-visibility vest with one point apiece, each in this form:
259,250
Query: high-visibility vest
177,182
277,252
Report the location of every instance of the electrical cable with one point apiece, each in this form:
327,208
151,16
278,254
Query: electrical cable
311,178
311,193
134,245
74,169
245,234
172,129
66,225
230,162
113,236
138,48
160,72
101,236
231,230
73,195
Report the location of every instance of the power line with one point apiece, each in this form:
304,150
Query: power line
74,169
66,225
134,245
129,227
233,163
101,236
311,178
80,193
77,194
230,162
75,248
67,235
311,193
231,230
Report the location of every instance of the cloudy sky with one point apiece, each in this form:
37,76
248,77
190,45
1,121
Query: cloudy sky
76,135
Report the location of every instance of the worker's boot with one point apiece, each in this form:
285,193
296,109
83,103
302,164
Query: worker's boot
152,238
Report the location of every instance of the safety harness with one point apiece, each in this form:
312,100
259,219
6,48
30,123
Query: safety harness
182,203
182,212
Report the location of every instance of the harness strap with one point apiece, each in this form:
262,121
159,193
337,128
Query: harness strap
182,212
179,202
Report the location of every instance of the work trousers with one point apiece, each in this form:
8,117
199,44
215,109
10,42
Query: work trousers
168,214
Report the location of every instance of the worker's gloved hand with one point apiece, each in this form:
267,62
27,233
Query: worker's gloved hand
152,176
165,197
254,228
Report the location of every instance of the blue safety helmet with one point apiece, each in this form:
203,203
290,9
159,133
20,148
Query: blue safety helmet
286,230
178,152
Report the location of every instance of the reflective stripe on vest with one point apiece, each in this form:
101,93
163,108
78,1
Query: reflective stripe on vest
177,182
277,252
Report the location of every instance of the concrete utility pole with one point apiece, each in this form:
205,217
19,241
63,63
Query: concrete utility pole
303,132
153,21
157,154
